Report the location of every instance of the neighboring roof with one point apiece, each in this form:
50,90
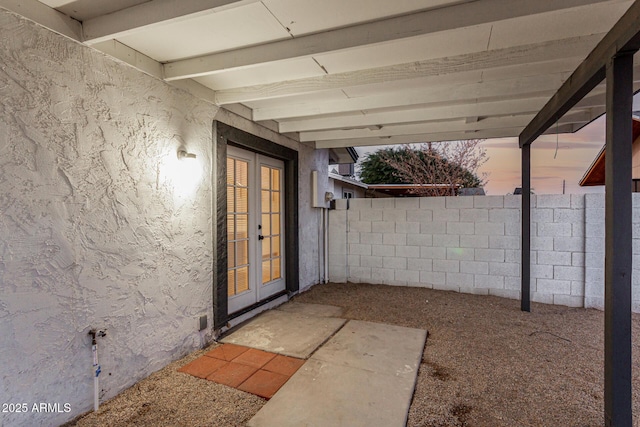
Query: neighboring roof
406,189
347,180
340,156
337,74
596,173
471,191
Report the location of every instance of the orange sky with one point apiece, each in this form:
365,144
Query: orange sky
574,155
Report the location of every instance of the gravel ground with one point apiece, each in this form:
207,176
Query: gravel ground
486,363
171,398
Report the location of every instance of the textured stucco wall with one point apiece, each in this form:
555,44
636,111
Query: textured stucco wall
310,219
100,225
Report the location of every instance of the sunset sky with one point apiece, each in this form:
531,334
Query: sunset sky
574,155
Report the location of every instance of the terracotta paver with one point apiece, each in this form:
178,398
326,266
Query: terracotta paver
264,383
255,358
232,374
227,352
247,369
283,365
203,367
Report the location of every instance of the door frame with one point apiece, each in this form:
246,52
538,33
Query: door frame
228,135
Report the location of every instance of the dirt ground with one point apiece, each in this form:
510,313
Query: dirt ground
486,363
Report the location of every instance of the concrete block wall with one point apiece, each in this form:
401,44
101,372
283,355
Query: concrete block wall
472,245
594,251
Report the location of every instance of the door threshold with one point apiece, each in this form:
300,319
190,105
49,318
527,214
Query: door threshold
236,318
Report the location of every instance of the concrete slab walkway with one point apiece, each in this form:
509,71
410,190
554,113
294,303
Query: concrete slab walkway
364,375
293,332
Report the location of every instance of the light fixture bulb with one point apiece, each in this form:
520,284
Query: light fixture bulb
182,154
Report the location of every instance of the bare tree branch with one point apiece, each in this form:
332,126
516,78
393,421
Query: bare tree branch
439,168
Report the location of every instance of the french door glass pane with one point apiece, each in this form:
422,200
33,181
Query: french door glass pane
231,255
276,269
264,177
266,224
265,201
231,228
275,246
242,226
243,279
271,202
266,271
266,248
231,200
237,225
242,174
243,252
231,282
230,170
242,200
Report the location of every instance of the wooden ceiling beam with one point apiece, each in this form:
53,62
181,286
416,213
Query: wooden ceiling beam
526,87
46,16
152,13
408,139
436,69
381,31
418,128
422,114
624,36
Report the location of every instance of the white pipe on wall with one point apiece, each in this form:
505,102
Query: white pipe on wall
96,382
314,189
326,244
320,222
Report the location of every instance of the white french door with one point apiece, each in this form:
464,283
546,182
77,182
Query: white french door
255,225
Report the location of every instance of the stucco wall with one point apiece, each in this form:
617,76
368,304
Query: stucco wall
472,244
310,220
100,225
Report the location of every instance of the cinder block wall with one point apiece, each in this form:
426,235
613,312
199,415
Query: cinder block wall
472,245
594,251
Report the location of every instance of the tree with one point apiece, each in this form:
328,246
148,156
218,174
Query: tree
438,168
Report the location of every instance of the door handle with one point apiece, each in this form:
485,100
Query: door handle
260,237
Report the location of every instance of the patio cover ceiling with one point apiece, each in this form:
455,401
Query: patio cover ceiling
342,73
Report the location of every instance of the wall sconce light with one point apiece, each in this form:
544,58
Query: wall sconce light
183,154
